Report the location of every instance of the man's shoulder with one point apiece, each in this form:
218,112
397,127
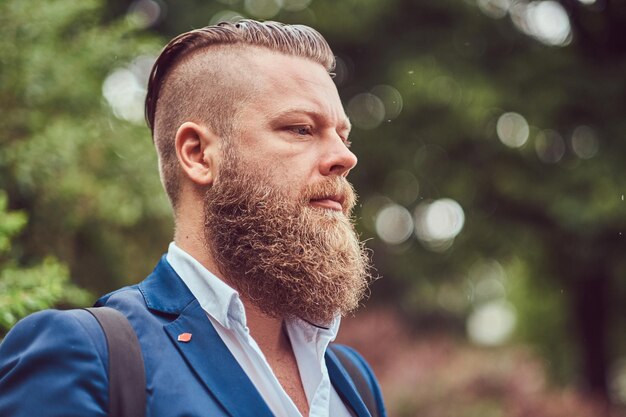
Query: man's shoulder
54,354
353,362
51,326
360,375
58,325
130,296
348,353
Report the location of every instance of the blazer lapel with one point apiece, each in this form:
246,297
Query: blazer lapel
205,352
344,386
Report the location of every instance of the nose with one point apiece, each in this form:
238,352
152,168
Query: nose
338,159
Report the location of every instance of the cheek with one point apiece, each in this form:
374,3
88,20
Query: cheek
289,168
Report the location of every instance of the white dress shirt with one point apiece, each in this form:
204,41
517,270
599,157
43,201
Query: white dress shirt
227,314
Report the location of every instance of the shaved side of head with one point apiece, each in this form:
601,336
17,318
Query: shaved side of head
207,87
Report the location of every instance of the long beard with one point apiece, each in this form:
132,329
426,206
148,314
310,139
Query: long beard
286,257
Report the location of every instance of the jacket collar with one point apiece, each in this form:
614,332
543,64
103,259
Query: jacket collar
344,385
164,291
208,356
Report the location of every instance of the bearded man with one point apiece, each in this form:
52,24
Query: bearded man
237,317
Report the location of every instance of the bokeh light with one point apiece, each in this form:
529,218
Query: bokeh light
394,224
366,111
492,323
617,380
487,269
549,146
225,16
342,70
437,223
263,9
486,278
370,209
512,129
546,21
125,89
549,22
391,99
494,8
295,5
585,143
124,95
147,12
489,288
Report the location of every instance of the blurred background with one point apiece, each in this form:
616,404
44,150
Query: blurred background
490,137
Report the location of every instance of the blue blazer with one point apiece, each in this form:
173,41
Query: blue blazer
54,363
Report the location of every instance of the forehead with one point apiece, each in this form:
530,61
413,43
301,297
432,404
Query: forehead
280,83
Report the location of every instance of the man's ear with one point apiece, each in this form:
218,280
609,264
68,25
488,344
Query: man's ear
197,150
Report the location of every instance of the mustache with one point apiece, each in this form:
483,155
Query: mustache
334,188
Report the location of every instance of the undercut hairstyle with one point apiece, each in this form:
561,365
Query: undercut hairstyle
201,77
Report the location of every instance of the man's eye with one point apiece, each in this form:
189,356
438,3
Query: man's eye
346,142
301,130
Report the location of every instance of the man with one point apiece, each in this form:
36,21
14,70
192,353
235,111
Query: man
236,319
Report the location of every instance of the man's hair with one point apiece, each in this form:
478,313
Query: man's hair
194,79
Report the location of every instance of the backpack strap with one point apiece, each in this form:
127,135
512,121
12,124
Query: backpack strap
127,379
358,378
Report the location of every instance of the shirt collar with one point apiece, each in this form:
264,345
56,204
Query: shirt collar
216,298
314,332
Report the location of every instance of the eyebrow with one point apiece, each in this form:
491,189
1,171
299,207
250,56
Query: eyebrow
343,123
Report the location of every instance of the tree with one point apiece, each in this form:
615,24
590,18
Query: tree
24,290
86,178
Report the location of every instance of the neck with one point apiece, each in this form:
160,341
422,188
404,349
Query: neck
268,332
188,235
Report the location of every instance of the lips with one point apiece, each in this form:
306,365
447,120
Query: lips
332,202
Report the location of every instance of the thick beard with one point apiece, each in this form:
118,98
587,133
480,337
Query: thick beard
286,257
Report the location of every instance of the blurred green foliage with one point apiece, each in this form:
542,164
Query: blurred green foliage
86,179
25,290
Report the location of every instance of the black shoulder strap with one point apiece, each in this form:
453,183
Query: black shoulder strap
361,384
127,380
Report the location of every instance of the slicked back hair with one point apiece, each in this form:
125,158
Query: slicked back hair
192,80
